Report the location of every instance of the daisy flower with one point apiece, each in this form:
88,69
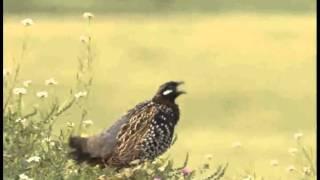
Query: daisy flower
26,83
27,22
24,177
51,81
19,91
42,94
88,15
33,159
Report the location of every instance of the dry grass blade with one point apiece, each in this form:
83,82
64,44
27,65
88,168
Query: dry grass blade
185,162
33,113
175,138
219,173
65,107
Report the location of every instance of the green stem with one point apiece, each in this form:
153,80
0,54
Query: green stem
20,105
15,77
83,116
17,69
305,153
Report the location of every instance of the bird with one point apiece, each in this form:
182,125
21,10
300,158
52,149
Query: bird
142,133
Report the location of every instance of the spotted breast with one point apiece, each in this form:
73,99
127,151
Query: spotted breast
144,133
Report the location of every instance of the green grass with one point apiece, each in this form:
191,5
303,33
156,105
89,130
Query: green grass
157,6
249,77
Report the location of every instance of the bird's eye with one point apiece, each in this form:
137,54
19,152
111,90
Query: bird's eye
166,92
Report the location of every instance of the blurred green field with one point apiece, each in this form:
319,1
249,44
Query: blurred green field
249,77
147,7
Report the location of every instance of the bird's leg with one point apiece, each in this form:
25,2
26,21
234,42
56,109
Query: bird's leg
104,162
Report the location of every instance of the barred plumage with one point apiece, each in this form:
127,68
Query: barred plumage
145,132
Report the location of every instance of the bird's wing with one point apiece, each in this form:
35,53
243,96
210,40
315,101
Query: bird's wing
103,144
131,135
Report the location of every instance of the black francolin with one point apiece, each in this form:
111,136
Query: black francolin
143,133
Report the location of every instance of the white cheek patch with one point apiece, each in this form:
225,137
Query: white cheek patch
168,91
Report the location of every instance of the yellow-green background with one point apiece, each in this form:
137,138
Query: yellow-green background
250,75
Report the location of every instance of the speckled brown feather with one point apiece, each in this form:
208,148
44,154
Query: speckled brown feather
128,147
144,132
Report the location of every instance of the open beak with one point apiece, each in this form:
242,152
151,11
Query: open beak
180,91
180,82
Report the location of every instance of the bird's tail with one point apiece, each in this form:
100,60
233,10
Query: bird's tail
79,151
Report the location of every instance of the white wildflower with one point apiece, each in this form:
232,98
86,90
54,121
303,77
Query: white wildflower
22,121
87,123
209,156
33,159
298,136
19,91
52,143
51,81
162,168
84,39
27,22
84,135
248,177
47,139
236,144
88,15
70,124
42,94
293,151
102,177
24,177
274,162
5,72
80,94
306,171
291,168
26,83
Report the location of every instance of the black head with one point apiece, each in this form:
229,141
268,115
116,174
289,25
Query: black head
169,91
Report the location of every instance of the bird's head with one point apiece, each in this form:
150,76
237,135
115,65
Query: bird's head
169,91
